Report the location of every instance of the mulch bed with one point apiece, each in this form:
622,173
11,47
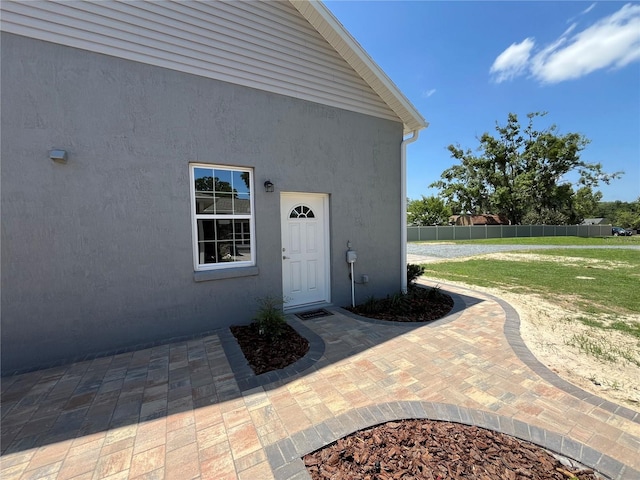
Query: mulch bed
426,449
264,354
418,305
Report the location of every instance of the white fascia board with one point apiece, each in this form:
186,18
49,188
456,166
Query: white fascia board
334,32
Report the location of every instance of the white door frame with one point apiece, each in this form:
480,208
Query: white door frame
288,200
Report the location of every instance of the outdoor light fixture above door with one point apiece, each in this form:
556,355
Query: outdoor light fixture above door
268,186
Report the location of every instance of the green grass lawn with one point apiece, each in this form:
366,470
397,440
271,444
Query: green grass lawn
597,280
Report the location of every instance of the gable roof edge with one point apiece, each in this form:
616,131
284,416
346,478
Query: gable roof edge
319,16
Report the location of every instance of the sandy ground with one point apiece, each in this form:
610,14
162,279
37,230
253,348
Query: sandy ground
603,362
559,340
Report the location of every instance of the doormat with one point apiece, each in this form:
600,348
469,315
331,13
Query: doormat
313,314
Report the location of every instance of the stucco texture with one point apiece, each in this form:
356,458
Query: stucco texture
97,253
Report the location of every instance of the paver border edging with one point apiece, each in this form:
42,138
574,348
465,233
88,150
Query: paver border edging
245,376
512,334
285,456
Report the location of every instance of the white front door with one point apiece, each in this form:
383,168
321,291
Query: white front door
305,247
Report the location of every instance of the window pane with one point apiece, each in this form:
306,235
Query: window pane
224,229
241,182
226,252
204,203
241,232
203,179
224,203
242,204
222,180
207,252
243,252
206,230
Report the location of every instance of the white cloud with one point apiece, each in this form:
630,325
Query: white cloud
584,12
612,42
513,61
571,28
428,93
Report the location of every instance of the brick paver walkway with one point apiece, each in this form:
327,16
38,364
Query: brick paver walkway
193,409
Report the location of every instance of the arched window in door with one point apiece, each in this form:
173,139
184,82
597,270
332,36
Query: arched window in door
301,211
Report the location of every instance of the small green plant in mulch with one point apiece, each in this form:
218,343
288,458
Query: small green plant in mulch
399,302
372,305
434,292
417,305
269,318
269,342
413,273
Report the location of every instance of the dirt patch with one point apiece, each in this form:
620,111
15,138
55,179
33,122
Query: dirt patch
567,261
603,362
536,257
426,449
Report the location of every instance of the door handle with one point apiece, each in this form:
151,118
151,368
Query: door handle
284,257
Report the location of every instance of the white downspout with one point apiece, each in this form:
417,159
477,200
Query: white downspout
403,209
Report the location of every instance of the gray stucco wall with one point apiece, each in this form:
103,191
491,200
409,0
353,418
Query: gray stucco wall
97,253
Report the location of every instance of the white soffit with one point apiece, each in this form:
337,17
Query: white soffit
332,30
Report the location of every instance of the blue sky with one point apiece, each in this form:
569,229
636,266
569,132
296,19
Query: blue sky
467,64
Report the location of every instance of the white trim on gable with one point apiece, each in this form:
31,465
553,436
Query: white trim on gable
334,32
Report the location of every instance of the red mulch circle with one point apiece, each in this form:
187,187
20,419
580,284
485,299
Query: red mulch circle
434,450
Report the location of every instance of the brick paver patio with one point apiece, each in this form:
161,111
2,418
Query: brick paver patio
194,410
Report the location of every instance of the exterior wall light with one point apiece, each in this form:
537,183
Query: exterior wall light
59,156
268,186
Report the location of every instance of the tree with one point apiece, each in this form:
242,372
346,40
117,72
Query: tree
209,184
545,217
427,211
522,171
585,203
627,219
624,214
627,215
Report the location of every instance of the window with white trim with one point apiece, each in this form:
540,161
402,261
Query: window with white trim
223,223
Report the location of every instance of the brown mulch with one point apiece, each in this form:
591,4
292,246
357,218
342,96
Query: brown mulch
264,354
417,305
426,449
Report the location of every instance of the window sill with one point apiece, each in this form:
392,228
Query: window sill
208,275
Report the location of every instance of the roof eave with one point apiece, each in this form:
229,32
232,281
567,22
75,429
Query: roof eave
318,15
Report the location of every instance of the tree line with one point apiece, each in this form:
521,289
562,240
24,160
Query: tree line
522,174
